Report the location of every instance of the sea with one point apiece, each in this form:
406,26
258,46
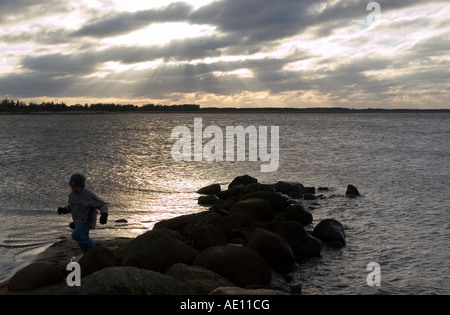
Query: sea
400,162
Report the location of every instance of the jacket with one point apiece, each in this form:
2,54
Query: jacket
84,207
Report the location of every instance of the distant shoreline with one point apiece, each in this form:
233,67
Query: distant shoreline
231,111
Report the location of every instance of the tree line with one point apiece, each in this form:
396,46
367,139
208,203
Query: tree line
16,106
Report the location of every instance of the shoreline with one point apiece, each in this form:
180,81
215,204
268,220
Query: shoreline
264,225
232,111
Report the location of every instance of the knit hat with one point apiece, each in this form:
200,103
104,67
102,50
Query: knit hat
77,180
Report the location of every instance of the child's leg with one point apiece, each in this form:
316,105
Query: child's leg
81,235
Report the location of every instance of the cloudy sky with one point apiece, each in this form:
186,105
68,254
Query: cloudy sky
240,53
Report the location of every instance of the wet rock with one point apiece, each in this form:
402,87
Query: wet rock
308,196
273,248
298,213
200,279
240,291
205,235
257,209
250,188
278,202
242,180
352,192
303,244
157,250
95,259
309,190
129,281
283,187
210,190
330,231
231,192
179,223
239,264
35,275
208,200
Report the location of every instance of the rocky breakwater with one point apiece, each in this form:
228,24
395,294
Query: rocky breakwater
247,241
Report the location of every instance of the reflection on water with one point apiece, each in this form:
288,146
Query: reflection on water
398,161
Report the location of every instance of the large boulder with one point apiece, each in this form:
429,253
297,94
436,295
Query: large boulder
210,190
240,291
273,248
200,279
298,213
231,192
255,208
277,201
129,281
293,187
242,180
303,244
96,259
352,192
240,265
207,200
331,232
34,276
250,188
205,235
179,223
157,250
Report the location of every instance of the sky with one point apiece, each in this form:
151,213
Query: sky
227,53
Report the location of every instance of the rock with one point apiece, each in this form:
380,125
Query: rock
226,204
179,223
273,248
295,195
278,282
352,192
308,196
330,231
129,281
157,250
323,189
208,200
242,180
96,259
256,209
240,265
302,244
298,213
250,188
240,291
278,201
121,221
200,279
210,190
34,276
309,190
283,187
205,235
231,192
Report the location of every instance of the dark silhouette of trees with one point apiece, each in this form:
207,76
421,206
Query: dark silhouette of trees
11,106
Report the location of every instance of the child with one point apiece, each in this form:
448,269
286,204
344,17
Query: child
83,205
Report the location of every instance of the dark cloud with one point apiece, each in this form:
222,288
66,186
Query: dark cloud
123,23
244,28
15,11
